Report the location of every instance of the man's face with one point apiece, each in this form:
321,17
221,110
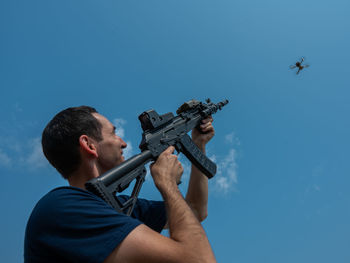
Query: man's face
110,149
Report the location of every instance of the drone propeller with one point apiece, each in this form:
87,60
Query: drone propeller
292,66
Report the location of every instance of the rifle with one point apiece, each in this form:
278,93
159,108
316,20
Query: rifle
159,132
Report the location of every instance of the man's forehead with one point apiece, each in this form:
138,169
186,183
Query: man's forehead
103,120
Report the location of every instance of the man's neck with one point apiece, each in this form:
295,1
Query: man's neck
82,175
76,183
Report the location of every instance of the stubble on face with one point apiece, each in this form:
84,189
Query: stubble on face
110,149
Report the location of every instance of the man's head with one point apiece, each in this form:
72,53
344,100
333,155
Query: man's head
78,130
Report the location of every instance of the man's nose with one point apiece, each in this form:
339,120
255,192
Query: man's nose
123,143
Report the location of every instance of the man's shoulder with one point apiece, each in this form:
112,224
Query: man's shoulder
63,201
69,192
66,195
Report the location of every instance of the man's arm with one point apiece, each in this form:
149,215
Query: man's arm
187,241
197,193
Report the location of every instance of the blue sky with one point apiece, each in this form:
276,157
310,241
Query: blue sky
281,145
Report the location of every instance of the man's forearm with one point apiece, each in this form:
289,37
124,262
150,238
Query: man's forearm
185,228
197,193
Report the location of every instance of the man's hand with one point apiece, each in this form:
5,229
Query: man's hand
167,170
203,136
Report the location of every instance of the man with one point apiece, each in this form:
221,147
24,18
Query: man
70,224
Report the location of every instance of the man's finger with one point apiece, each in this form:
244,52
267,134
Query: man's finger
170,149
208,119
204,125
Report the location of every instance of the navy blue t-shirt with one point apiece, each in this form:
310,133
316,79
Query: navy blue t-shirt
73,225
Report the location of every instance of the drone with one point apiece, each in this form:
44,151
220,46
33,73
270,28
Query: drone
298,65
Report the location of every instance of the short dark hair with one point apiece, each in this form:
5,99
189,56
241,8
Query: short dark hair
60,138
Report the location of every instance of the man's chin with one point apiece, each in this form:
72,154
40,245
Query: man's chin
121,160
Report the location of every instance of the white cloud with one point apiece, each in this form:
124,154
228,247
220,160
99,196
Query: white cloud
223,184
213,158
119,125
35,158
5,160
128,151
226,177
232,138
229,137
120,131
27,155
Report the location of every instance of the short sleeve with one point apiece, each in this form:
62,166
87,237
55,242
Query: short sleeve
151,213
73,225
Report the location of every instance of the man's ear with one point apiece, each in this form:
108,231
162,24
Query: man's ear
88,145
